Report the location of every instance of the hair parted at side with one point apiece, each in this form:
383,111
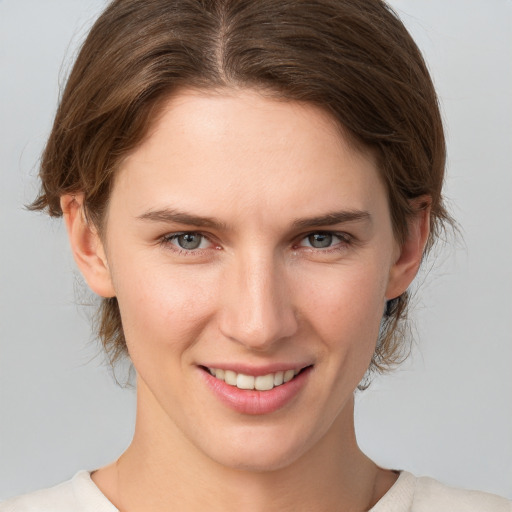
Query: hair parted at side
352,58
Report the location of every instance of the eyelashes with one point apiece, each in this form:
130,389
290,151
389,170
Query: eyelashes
324,240
188,240
195,243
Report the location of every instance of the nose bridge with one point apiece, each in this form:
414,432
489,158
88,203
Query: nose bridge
258,310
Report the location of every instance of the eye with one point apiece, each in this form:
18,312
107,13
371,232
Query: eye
188,241
324,240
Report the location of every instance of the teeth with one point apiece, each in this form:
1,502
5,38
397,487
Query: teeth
264,382
244,381
230,378
288,375
278,378
260,383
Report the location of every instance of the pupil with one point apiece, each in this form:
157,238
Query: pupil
189,241
320,240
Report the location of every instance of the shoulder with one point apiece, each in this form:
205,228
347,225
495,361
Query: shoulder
424,494
431,493
76,495
58,498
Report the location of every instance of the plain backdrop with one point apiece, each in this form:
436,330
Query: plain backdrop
446,413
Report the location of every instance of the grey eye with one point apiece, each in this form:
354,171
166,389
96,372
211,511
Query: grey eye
188,241
320,240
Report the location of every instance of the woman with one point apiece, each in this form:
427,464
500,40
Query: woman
251,188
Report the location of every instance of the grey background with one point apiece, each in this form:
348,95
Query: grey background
446,413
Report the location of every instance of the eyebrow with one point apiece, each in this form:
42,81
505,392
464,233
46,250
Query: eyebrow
170,215
332,218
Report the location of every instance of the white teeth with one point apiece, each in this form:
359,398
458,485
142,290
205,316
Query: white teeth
230,378
288,375
278,378
264,382
244,381
260,383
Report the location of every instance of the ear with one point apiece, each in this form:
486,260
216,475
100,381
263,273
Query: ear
86,245
410,253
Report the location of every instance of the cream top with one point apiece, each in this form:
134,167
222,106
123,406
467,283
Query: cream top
408,494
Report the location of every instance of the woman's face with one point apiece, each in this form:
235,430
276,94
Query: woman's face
245,237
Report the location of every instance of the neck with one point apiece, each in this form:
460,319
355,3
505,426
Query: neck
162,470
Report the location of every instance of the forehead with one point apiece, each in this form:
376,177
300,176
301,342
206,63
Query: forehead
240,151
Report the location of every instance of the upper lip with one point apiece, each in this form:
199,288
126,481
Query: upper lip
257,370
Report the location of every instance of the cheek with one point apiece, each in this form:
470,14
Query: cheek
345,307
162,305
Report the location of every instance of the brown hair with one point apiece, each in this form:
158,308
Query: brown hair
353,58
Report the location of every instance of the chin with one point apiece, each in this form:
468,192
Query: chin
259,451
261,462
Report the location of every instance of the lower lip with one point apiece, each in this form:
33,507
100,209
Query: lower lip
256,402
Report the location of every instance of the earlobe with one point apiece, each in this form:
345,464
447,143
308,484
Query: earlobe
410,255
86,246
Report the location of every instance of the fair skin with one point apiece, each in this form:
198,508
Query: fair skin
246,234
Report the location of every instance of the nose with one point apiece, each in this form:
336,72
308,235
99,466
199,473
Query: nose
257,309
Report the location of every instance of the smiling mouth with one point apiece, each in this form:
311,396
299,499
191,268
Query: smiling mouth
250,382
